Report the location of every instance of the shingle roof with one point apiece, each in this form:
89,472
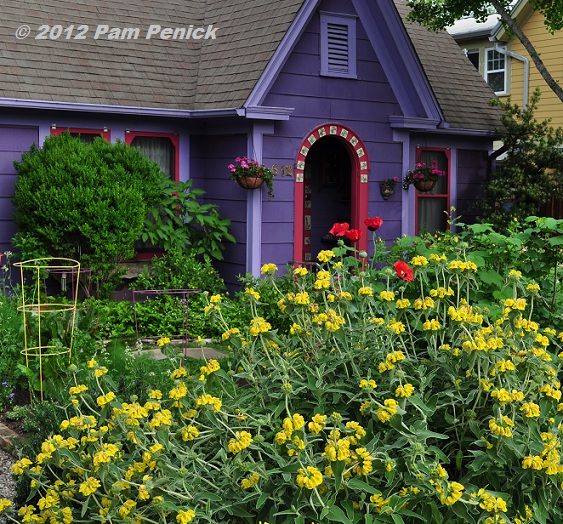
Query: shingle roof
187,74
461,92
175,74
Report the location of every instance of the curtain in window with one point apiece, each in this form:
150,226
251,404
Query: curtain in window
158,149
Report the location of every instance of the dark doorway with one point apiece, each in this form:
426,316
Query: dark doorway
328,190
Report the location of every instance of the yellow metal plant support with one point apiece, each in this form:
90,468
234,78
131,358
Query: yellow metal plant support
36,307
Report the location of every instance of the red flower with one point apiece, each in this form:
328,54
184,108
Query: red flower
373,224
339,230
403,271
353,234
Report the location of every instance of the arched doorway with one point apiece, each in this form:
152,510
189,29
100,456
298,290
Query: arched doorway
331,185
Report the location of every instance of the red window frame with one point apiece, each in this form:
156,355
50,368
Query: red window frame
420,195
131,135
104,133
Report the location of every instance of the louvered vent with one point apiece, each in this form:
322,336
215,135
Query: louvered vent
338,51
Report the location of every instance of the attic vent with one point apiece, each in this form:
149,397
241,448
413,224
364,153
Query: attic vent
338,45
337,48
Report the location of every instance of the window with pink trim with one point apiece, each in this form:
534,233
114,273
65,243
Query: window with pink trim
86,135
162,148
431,207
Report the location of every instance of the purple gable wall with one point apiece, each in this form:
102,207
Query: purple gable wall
13,142
364,104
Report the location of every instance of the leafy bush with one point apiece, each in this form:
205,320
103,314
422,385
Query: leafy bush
179,221
84,201
392,397
530,174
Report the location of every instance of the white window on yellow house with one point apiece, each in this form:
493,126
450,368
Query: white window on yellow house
495,70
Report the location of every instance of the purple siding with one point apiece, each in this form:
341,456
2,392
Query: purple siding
471,175
210,156
364,105
13,142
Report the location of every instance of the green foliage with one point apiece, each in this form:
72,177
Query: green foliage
84,201
179,222
440,14
531,173
380,398
11,327
180,269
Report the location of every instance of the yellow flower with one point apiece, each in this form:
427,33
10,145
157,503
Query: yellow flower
368,384
268,269
454,493
437,258
250,481
379,501
184,517
259,325
317,424
431,325
252,293
105,399
325,256
404,391
215,299
5,504
20,466
419,261
189,433
100,371
402,303
162,341
309,478
387,296
300,271
89,486
396,327
365,291
76,390
207,399
295,328
242,440
530,409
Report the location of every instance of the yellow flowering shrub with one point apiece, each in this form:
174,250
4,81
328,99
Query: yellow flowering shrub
384,400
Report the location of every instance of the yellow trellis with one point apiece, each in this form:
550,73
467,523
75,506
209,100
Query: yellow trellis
35,306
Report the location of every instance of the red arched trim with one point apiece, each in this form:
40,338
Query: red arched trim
360,187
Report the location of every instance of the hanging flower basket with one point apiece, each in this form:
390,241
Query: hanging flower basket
423,177
424,186
250,182
251,174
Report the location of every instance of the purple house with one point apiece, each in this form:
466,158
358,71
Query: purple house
342,91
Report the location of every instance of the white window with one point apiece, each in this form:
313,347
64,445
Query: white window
495,71
338,45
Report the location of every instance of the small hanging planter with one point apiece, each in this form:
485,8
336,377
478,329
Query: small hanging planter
250,182
387,187
251,174
424,186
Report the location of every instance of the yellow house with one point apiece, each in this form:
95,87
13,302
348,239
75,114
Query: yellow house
506,65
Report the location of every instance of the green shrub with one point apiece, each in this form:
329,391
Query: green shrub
179,221
84,201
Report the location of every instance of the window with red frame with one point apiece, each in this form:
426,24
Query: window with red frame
431,207
86,135
162,148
